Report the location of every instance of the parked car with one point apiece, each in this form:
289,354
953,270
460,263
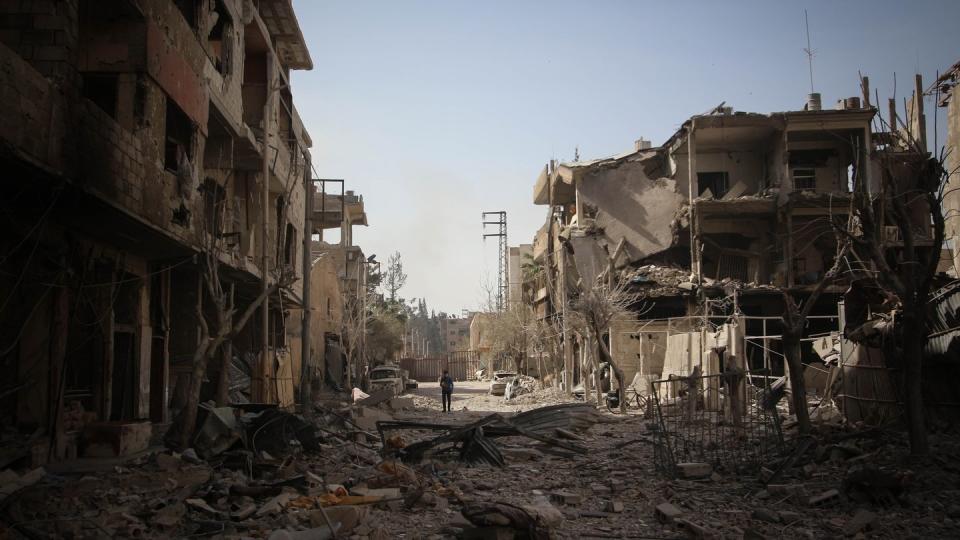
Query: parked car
498,385
387,376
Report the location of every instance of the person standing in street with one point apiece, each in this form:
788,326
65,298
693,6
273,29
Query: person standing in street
446,390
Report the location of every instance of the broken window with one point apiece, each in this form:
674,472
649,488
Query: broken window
101,89
289,245
220,38
188,8
716,182
804,179
179,137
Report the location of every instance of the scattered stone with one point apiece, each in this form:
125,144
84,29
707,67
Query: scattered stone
694,529
600,489
613,506
566,497
667,513
344,518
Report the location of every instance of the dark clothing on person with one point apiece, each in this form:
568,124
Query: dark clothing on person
446,391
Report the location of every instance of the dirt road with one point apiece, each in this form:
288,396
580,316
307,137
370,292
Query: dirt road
470,396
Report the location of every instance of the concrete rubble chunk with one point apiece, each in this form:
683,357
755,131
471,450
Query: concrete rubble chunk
613,506
696,530
667,513
566,497
344,518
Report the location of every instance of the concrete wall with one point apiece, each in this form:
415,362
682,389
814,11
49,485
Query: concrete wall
632,206
951,204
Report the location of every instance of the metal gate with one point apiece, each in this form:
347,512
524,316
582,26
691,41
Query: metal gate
422,369
463,365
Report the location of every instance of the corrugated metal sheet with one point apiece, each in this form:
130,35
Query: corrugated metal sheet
944,320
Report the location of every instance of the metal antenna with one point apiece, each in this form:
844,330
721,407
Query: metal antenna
809,50
501,233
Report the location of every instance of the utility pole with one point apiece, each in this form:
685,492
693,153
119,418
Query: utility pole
501,224
305,353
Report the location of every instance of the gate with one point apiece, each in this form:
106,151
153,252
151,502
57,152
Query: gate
422,369
463,365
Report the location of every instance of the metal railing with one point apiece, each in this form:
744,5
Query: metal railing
700,420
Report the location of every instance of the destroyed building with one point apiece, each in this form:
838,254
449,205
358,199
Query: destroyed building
350,272
709,230
455,333
137,135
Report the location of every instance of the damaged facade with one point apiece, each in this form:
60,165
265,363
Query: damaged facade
710,230
138,134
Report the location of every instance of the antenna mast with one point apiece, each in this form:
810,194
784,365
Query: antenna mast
809,50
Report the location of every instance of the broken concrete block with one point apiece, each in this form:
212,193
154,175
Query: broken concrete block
667,513
344,518
600,489
546,514
613,506
823,497
566,497
694,470
862,520
695,530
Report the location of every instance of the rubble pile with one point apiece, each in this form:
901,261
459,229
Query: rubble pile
566,471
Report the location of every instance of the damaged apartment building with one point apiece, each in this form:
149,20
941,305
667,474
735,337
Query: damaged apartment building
140,136
709,230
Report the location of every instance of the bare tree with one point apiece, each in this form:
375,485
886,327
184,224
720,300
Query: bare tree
597,305
356,318
913,185
219,321
794,324
395,278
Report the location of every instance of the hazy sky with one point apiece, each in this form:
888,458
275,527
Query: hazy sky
436,111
